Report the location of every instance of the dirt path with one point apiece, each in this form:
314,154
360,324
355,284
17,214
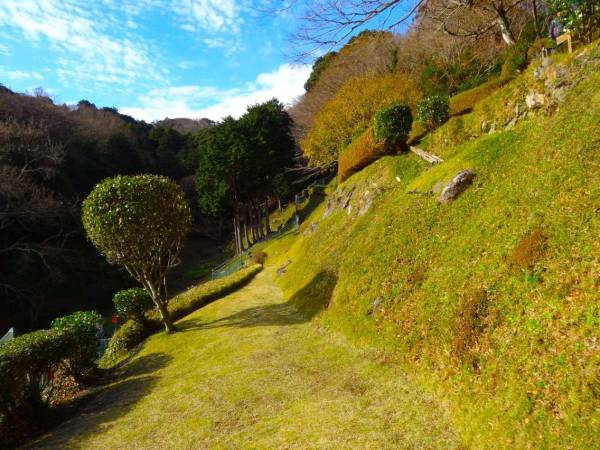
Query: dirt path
249,372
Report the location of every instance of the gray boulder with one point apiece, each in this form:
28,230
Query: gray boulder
461,181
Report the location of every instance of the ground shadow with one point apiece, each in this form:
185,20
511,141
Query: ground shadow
301,307
100,408
316,197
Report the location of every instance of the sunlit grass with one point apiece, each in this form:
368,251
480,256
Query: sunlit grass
250,371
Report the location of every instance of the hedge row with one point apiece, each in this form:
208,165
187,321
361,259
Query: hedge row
131,333
465,101
29,364
360,153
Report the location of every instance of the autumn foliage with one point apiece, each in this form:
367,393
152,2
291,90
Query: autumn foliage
351,110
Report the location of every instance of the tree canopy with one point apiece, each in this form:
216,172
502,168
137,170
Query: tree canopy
139,222
241,164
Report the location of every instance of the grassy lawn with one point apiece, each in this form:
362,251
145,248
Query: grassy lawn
249,371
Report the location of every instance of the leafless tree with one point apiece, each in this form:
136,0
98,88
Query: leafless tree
325,24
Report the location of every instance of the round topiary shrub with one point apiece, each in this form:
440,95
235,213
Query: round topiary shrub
139,222
393,123
132,303
433,111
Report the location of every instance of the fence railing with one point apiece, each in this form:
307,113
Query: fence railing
228,267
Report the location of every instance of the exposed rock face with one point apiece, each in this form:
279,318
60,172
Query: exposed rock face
461,181
340,200
535,100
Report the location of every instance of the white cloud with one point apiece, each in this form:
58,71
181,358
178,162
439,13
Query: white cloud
4,51
79,34
19,75
208,15
285,83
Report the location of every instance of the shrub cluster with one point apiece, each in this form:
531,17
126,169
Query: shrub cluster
393,123
351,110
32,363
131,333
360,153
132,303
433,111
85,327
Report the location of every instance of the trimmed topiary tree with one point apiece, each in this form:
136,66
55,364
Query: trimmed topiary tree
132,303
433,111
139,222
393,123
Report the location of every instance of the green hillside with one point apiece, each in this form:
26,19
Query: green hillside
493,299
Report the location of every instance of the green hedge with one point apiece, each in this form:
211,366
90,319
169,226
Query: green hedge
85,327
132,333
33,361
132,303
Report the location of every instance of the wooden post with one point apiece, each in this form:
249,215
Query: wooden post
565,37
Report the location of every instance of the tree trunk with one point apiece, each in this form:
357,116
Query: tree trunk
247,231
253,224
267,222
535,18
504,25
279,204
165,316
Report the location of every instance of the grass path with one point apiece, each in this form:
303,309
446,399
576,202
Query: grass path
248,371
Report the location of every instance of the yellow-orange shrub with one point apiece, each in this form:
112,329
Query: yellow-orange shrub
352,109
360,153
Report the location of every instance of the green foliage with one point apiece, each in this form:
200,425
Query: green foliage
351,111
136,221
452,75
242,160
33,365
433,111
466,101
580,16
139,222
393,123
85,327
132,303
133,332
24,360
515,60
537,47
319,66
127,336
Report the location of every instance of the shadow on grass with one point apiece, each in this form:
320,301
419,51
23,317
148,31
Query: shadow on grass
314,200
98,410
302,307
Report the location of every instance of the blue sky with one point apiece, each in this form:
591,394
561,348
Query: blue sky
150,58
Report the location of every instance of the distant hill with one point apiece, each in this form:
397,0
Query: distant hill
185,126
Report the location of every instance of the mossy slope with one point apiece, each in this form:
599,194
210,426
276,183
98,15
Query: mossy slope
492,300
